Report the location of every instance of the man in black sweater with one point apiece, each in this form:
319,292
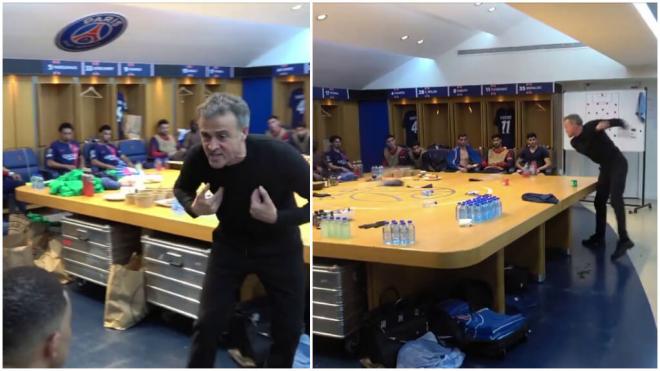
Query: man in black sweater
253,179
591,140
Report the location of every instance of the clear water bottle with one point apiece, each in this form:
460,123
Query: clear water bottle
325,227
463,211
403,233
459,208
177,208
396,237
411,232
335,230
387,234
345,228
499,207
469,209
478,212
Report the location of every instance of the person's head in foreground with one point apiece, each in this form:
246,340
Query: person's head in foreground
390,142
36,319
224,121
572,125
532,142
463,140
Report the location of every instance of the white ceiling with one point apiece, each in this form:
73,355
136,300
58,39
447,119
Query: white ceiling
230,34
365,37
616,30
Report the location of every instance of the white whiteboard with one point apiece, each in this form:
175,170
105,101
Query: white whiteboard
605,104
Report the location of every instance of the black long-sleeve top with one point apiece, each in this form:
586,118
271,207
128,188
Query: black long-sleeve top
596,144
276,166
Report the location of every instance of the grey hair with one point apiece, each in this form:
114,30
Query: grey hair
222,103
577,120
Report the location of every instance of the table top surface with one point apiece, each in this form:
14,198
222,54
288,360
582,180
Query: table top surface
440,242
157,217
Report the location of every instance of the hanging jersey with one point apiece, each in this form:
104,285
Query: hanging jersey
122,106
504,121
411,127
297,104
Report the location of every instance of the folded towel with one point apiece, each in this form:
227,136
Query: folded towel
540,197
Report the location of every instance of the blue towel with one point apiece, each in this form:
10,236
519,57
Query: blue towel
301,358
641,107
486,325
426,352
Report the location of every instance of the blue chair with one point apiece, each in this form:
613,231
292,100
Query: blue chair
23,161
136,150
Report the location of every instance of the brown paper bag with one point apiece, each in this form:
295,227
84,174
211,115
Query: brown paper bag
51,261
19,256
125,299
38,238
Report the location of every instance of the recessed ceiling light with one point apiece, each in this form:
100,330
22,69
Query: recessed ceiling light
404,37
296,7
322,17
491,9
420,42
477,4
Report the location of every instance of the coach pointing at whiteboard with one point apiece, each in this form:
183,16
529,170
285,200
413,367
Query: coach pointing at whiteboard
591,140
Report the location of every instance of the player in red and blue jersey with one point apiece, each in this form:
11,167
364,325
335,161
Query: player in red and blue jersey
63,155
105,155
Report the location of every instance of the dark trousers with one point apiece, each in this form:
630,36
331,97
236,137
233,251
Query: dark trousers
9,186
283,277
611,184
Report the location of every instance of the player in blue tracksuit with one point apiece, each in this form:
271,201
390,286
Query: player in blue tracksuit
105,155
463,157
63,155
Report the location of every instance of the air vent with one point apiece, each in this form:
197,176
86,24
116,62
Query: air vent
525,48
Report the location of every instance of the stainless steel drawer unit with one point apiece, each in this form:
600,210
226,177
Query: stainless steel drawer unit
175,269
90,246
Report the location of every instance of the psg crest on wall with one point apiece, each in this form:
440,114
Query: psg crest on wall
91,32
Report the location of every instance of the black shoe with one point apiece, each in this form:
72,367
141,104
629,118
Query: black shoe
594,242
621,247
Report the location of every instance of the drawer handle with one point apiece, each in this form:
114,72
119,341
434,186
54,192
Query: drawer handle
173,259
83,234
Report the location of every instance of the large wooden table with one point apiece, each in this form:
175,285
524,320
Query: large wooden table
156,218
443,250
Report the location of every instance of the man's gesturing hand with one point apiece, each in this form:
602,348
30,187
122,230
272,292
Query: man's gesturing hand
262,207
207,206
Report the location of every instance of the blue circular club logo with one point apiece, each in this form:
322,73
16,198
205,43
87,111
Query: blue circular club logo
91,32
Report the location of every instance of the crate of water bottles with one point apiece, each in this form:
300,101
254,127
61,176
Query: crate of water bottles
399,233
480,209
335,227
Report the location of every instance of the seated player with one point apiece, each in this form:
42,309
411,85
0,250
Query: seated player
36,319
104,155
63,155
275,129
192,137
11,181
435,158
163,145
321,170
336,159
394,154
463,157
299,139
500,159
534,156
415,155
